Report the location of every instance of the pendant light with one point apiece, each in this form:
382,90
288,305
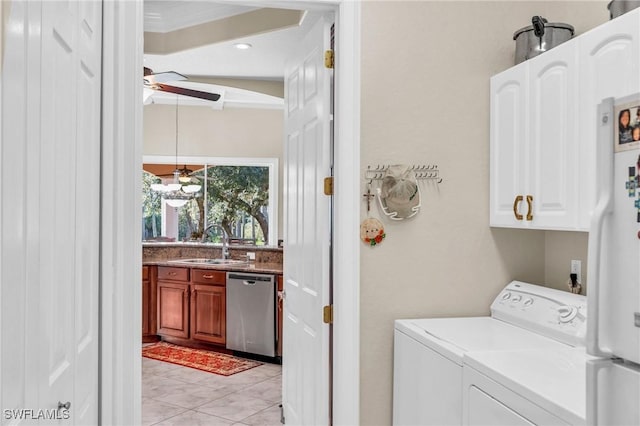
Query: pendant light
176,193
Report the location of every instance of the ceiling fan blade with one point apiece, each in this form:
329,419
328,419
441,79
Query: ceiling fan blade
163,77
187,92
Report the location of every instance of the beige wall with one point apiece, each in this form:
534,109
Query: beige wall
425,99
560,249
207,132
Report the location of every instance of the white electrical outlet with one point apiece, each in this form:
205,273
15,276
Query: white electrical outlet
251,255
576,268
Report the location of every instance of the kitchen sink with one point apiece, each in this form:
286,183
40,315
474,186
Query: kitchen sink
204,261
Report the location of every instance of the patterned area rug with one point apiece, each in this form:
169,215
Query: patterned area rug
213,362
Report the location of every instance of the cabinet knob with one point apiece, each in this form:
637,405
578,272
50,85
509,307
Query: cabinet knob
516,203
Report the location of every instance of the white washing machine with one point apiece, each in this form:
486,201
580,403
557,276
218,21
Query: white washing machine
527,387
428,353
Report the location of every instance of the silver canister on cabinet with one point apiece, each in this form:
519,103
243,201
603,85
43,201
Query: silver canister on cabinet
620,7
539,37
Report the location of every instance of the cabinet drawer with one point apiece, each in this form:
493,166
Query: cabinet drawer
145,272
174,274
208,276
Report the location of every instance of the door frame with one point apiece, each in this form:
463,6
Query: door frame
121,259
121,255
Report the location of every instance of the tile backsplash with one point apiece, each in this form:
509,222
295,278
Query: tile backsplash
154,252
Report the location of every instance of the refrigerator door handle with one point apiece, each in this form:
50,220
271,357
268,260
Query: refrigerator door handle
603,208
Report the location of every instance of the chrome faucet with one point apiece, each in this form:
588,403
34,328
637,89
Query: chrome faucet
225,238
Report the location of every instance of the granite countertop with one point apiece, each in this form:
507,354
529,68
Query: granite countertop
256,267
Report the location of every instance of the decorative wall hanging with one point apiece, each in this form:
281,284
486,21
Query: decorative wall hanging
398,190
399,195
371,229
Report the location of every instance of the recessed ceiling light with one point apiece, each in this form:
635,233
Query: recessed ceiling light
242,46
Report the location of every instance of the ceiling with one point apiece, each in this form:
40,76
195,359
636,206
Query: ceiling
192,21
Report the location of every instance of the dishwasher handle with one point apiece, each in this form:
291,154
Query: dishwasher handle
249,277
248,282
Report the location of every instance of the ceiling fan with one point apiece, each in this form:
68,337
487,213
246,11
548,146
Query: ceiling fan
182,175
157,81
182,179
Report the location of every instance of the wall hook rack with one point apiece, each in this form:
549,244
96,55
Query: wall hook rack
428,172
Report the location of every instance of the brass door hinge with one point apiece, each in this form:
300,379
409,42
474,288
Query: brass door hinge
327,314
328,185
328,59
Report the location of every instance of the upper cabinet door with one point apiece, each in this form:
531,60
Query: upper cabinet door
543,126
553,139
509,112
609,67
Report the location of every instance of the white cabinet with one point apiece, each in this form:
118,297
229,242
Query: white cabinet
543,114
509,129
553,139
534,143
609,67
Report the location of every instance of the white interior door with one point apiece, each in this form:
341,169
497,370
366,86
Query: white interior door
69,212
307,231
54,268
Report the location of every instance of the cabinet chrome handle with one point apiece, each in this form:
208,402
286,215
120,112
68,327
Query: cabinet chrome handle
516,203
207,276
64,406
173,274
529,207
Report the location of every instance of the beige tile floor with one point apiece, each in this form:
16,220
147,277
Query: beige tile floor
176,395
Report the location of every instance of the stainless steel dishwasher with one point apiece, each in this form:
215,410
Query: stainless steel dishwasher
251,321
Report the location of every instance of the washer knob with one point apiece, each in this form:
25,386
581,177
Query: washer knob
517,298
506,296
528,301
567,313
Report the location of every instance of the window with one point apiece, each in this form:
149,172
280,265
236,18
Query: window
240,195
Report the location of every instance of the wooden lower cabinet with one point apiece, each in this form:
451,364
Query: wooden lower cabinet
173,302
192,305
173,308
149,304
208,313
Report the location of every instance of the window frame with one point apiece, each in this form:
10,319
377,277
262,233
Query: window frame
270,162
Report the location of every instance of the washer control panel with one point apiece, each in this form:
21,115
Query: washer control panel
557,314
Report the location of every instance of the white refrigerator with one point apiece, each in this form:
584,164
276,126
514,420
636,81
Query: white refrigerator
613,332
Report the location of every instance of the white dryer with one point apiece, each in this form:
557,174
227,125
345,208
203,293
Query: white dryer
525,387
428,353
